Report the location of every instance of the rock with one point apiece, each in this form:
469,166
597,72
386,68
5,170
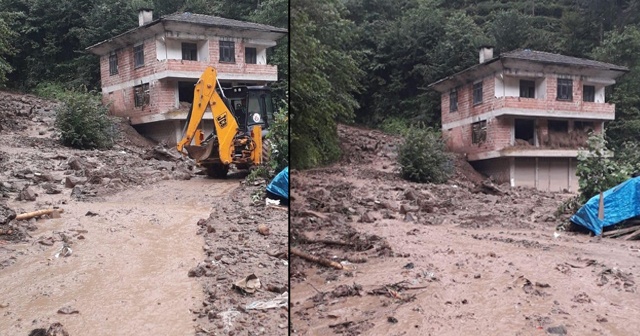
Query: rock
72,181
367,217
404,209
6,214
76,192
75,163
410,195
50,189
559,330
263,230
42,177
197,271
68,310
27,194
408,217
56,329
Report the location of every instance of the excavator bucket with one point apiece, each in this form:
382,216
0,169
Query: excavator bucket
201,153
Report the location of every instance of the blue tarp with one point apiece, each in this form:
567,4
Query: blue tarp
280,184
620,203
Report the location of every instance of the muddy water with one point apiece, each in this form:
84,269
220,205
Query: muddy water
127,277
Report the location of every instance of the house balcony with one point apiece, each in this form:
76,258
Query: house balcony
531,107
192,70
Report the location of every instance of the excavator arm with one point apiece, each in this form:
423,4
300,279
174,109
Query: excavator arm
226,126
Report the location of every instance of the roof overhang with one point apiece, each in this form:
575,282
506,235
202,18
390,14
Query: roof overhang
162,25
512,66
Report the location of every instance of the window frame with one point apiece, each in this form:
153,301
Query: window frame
479,132
592,95
192,50
248,60
141,96
528,90
453,100
229,46
477,93
113,64
138,56
564,87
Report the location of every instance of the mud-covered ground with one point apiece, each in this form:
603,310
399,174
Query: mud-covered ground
452,259
135,223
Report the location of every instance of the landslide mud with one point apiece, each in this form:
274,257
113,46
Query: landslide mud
450,259
132,219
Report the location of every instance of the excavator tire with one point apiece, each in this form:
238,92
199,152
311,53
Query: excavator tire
218,171
266,151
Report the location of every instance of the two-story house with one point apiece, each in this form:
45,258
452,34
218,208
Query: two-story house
522,116
148,73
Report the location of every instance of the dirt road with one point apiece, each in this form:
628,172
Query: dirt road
449,259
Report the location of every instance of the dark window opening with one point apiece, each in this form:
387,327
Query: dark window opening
583,126
113,64
558,126
565,89
479,132
141,95
453,100
527,89
250,56
589,93
189,51
477,93
185,91
524,131
138,56
227,51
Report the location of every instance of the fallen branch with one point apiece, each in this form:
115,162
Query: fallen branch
633,236
32,214
317,260
620,232
326,242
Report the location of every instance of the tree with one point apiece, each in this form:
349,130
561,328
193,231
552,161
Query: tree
323,79
6,35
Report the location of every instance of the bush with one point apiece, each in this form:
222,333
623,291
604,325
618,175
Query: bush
279,137
423,157
597,170
395,126
83,122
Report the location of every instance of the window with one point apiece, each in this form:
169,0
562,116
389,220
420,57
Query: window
589,93
565,89
453,100
190,51
525,131
250,55
527,89
141,95
477,93
113,64
558,126
138,56
584,126
479,132
227,52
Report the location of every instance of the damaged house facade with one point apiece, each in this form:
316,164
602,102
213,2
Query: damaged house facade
148,73
522,116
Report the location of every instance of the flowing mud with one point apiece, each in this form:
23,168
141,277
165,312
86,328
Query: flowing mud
455,259
132,224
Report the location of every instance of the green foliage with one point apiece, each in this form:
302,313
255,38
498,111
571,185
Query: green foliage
597,170
6,37
395,126
279,137
324,77
423,157
83,122
51,90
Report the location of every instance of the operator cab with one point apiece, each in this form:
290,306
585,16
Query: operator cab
251,105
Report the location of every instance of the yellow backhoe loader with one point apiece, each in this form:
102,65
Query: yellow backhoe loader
240,117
